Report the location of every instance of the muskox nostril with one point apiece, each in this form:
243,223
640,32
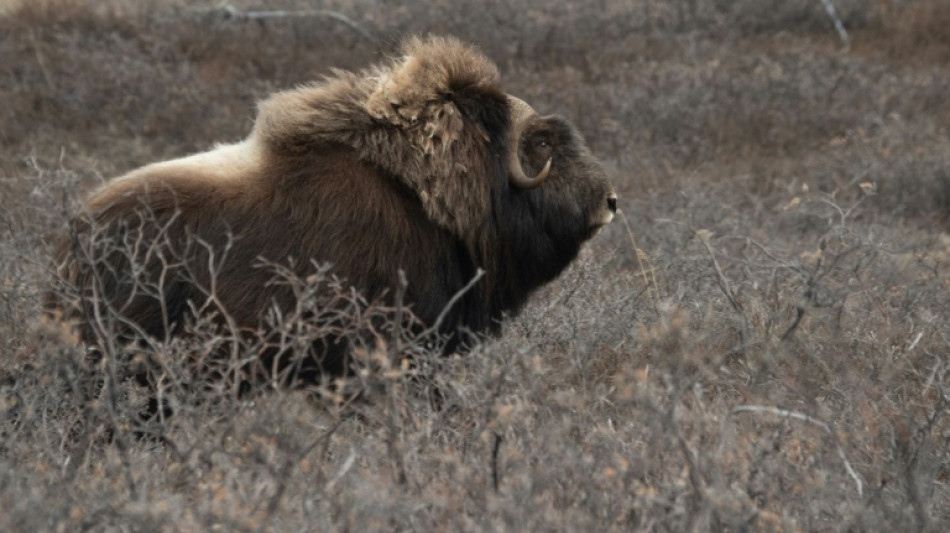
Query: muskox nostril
612,204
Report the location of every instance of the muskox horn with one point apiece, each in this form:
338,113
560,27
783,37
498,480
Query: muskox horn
521,112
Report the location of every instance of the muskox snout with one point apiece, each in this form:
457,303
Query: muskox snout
611,208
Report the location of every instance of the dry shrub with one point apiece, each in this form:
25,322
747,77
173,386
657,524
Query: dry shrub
915,31
759,345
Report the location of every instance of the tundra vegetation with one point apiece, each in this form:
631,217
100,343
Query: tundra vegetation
759,343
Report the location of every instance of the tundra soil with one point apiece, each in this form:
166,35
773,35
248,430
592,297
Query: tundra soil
760,342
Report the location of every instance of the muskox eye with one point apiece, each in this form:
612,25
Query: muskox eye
543,144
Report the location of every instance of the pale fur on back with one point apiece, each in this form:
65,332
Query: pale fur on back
226,167
224,162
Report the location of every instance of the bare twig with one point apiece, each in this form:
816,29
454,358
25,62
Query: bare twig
458,295
40,61
839,26
916,340
799,313
347,464
233,12
649,274
494,460
704,236
393,388
801,416
293,462
400,306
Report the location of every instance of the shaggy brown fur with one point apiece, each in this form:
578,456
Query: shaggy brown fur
400,167
403,117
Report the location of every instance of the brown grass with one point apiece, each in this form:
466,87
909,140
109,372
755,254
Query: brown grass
787,249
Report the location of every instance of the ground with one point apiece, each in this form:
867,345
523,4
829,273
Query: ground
759,343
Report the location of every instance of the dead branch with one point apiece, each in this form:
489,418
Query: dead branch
232,12
801,416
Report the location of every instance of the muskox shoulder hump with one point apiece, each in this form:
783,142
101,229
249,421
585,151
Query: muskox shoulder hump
434,117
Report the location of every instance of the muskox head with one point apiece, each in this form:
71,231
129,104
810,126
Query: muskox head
421,169
540,141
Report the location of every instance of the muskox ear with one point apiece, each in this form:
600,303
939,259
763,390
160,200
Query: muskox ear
417,92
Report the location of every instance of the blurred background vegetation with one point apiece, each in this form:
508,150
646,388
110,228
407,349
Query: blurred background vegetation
760,343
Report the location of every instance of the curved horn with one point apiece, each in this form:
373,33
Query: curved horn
521,112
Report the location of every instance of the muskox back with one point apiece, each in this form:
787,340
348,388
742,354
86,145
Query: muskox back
402,182
150,257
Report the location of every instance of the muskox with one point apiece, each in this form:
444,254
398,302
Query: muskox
420,169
